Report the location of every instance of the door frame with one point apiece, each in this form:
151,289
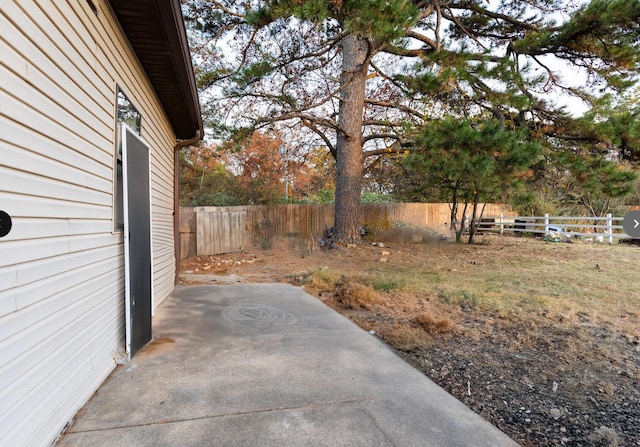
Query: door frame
124,133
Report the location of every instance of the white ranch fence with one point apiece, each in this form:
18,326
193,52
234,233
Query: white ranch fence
608,228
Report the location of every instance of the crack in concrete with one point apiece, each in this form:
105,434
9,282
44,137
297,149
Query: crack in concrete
222,415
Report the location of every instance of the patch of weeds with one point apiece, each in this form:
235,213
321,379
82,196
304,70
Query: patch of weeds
386,285
301,277
323,277
354,295
466,300
432,325
307,246
533,301
421,282
432,275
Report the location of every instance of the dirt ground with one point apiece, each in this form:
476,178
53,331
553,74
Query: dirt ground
553,364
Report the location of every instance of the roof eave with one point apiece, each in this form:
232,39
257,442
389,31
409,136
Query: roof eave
168,63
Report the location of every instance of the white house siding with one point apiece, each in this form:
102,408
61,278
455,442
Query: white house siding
62,266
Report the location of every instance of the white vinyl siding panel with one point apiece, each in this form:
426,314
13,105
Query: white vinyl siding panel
62,266
80,301
40,186
41,53
38,150
133,79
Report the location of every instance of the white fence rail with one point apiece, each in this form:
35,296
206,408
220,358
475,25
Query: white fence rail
605,228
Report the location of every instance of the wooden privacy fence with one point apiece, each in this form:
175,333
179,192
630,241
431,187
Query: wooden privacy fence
215,230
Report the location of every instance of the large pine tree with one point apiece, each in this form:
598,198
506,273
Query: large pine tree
359,75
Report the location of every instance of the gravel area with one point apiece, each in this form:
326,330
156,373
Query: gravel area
563,389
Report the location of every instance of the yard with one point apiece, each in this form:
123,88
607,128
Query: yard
540,338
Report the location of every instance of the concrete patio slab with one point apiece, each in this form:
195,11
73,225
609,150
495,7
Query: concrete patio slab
269,365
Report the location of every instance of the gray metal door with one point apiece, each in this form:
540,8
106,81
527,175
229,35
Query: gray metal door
137,240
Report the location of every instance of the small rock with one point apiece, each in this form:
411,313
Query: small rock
563,430
384,259
633,339
386,253
372,332
555,413
380,244
351,245
606,436
188,271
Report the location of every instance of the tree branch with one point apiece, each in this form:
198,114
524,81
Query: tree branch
391,105
378,136
301,116
395,149
322,135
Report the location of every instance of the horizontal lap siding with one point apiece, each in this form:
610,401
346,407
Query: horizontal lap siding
62,266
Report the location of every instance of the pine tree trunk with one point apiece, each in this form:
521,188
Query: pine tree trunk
474,220
349,142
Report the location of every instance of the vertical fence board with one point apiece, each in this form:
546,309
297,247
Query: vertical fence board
187,233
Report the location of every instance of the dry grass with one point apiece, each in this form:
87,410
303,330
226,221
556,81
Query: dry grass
572,282
322,279
430,286
509,277
433,325
404,336
355,295
428,290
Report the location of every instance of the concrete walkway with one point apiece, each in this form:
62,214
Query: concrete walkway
268,365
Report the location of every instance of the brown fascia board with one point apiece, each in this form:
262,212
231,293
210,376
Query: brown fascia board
165,58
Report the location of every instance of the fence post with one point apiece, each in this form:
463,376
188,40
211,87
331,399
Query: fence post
546,223
501,224
610,227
